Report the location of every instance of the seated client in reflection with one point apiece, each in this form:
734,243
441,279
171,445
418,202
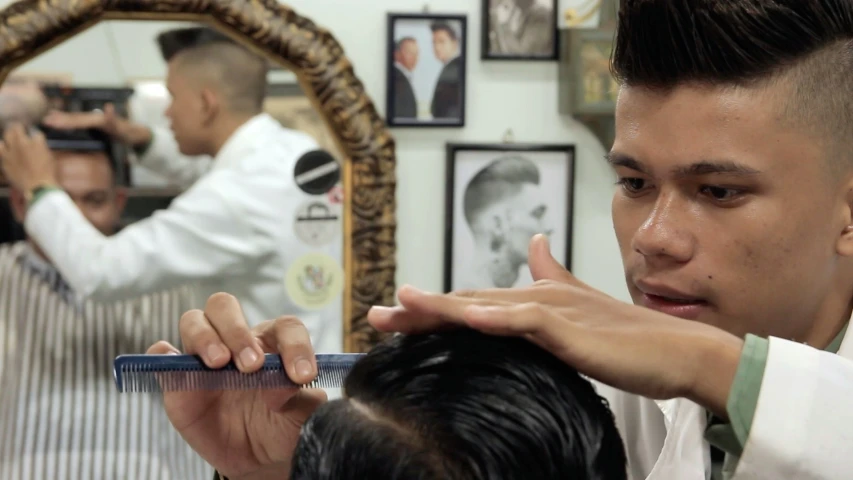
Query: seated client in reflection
461,405
60,415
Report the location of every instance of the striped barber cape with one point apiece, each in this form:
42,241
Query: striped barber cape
61,416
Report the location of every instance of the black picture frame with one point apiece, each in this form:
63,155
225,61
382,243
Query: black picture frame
407,91
486,37
486,154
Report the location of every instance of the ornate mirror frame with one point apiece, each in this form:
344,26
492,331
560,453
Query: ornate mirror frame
30,27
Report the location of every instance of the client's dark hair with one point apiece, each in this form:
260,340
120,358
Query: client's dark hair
80,140
461,405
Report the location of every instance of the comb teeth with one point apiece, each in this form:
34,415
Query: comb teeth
169,373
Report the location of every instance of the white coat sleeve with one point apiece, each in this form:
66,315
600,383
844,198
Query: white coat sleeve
164,158
803,423
206,232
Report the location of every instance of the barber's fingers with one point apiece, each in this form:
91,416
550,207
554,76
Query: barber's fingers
225,316
162,348
290,338
200,338
68,120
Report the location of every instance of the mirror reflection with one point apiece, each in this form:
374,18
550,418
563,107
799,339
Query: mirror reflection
207,152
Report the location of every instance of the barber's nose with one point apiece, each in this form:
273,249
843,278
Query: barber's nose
664,233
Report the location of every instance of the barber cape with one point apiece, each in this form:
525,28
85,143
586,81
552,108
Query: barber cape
802,430
61,416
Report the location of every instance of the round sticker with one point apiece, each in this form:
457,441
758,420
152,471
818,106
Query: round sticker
314,281
317,223
317,172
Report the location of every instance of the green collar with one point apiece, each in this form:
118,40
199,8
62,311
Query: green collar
836,344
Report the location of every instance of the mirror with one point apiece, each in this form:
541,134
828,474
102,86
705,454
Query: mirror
312,88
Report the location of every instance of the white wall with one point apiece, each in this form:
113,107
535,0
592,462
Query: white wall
521,96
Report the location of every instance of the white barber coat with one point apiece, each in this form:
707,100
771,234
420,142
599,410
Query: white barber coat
803,425
231,231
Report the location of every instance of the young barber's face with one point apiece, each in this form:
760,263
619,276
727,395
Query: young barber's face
727,210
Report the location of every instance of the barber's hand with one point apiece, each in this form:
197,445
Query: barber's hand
27,161
108,121
244,434
628,347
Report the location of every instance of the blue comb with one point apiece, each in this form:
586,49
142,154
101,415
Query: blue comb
169,373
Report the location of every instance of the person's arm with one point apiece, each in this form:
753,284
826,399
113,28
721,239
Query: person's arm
798,422
161,155
222,225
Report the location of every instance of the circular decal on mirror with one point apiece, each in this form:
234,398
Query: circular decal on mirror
317,172
314,280
317,223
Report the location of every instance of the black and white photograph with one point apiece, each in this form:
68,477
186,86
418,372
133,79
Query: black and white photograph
498,197
426,70
520,30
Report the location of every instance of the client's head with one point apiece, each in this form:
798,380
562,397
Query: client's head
461,405
86,170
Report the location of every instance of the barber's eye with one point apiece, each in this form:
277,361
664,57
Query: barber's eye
632,185
720,193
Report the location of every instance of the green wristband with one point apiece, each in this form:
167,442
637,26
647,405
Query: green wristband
39,192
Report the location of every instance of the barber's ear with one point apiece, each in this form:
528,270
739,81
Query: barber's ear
844,245
210,105
18,205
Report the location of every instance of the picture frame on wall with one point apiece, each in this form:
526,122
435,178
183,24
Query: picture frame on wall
498,196
520,30
426,70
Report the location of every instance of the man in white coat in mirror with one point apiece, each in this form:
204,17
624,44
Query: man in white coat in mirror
734,216
231,230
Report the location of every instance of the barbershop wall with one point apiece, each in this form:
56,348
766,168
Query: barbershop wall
501,96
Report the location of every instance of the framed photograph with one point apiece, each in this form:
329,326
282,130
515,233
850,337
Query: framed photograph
519,30
590,86
426,70
498,197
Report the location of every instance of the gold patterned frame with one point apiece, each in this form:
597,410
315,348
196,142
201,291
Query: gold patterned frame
30,27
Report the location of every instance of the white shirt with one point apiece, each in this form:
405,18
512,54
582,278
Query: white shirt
231,231
802,429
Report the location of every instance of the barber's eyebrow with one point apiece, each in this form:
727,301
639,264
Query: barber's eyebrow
702,167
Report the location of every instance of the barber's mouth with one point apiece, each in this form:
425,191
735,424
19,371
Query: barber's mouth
689,309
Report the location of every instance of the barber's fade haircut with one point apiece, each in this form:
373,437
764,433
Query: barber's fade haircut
500,179
808,44
441,26
239,74
461,405
90,140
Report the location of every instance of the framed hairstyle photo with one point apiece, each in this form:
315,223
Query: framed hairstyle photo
520,30
498,197
426,73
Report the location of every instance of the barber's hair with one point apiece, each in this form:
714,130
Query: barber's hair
500,179
461,405
662,44
89,140
444,27
239,74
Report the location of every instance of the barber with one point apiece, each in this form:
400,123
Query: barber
232,230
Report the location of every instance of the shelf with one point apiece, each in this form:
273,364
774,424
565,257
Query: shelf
132,192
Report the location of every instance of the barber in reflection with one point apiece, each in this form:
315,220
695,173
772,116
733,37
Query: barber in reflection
231,231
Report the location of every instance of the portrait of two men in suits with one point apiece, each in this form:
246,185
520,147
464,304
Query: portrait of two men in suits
426,72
